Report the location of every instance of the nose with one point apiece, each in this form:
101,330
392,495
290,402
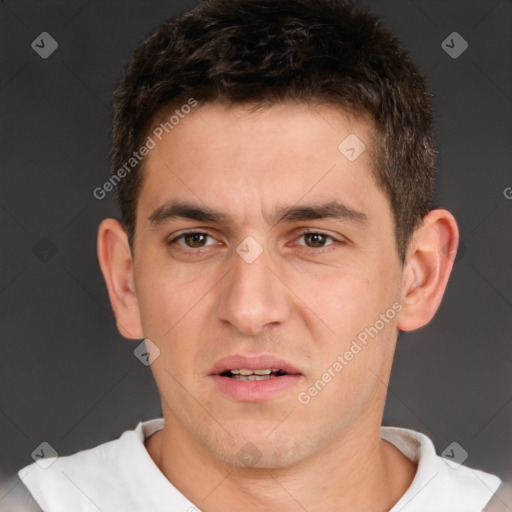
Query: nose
252,297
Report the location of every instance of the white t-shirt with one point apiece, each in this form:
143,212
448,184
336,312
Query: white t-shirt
120,476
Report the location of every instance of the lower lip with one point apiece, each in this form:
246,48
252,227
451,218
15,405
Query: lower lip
255,390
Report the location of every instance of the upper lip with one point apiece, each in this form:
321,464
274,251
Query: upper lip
255,362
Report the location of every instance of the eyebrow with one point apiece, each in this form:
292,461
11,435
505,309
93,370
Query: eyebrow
185,210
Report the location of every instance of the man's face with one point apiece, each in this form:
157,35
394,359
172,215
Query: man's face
280,299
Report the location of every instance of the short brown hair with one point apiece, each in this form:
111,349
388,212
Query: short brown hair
267,51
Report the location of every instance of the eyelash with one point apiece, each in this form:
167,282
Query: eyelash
299,235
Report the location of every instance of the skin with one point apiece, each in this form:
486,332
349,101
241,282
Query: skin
304,299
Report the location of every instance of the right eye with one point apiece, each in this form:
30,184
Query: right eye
192,240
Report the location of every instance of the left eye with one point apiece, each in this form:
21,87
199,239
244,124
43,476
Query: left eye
316,239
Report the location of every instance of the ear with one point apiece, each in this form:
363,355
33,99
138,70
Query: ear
430,259
116,264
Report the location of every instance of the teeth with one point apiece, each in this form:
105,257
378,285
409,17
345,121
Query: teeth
253,377
242,371
264,373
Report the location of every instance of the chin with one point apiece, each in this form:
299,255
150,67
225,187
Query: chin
262,451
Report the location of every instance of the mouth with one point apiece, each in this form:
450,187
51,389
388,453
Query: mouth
255,378
250,375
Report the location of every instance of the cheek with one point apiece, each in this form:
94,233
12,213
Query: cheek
166,297
350,365
338,303
174,307
158,306
345,308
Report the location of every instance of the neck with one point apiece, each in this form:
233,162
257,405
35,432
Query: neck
354,473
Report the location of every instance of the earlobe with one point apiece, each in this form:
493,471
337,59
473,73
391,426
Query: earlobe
429,264
116,264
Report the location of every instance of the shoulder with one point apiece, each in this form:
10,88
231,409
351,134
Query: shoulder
103,477
73,480
441,483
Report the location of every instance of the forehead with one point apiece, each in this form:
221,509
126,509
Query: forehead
252,162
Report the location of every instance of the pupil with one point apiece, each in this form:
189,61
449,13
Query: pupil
316,239
195,239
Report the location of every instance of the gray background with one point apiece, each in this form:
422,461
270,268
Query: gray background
69,378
